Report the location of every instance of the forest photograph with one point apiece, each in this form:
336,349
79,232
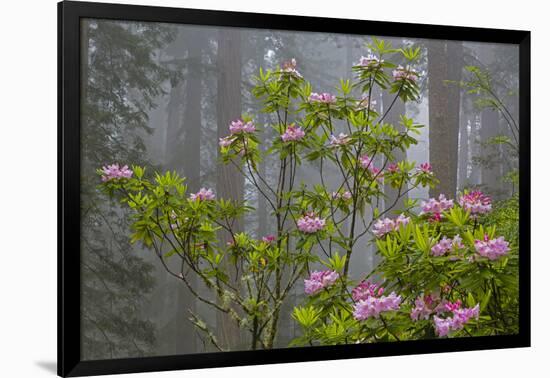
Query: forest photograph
252,189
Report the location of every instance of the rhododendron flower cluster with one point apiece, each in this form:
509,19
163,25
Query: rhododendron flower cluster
366,162
310,223
476,202
290,68
461,316
436,207
226,141
393,168
425,168
319,280
325,98
239,126
424,306
427,305
269,239
114,171
339,140
376,172
292,133
366,289
383,226
373,306
370,61
424,267
401,73
445,245
203,195
492,248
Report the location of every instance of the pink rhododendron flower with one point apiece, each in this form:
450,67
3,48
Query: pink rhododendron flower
114,171
370,60
402,220
402,73
376,172
346,195
269,239
382,226
393,168
442,326
366,289
319,280
325,98
239,126
203,195
249,127
475,201
292,133
457,242
453,306
339,140
423,308
374,306
442,247
290,68
434,206
310,223
492,248
425,168
226,142
365,161
461,316
445,245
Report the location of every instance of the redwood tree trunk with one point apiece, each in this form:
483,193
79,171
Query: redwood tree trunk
490,155
230,183
444,63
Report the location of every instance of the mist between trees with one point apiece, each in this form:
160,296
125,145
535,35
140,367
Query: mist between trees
162,95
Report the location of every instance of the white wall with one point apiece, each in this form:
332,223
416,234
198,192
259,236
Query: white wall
28,185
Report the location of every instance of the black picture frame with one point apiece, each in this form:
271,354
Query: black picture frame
69,337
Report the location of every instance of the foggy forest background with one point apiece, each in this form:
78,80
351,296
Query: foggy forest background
161,95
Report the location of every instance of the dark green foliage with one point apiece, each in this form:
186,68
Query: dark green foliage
121,77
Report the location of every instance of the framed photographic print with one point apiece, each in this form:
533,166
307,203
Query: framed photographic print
239,188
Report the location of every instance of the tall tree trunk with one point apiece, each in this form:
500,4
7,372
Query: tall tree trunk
444,63
490,154
455,58
190,157
230,183
463,153
174,127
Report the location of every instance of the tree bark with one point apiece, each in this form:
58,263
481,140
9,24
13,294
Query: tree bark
463,153
490,154
444,63
230,183
190,156
183,154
